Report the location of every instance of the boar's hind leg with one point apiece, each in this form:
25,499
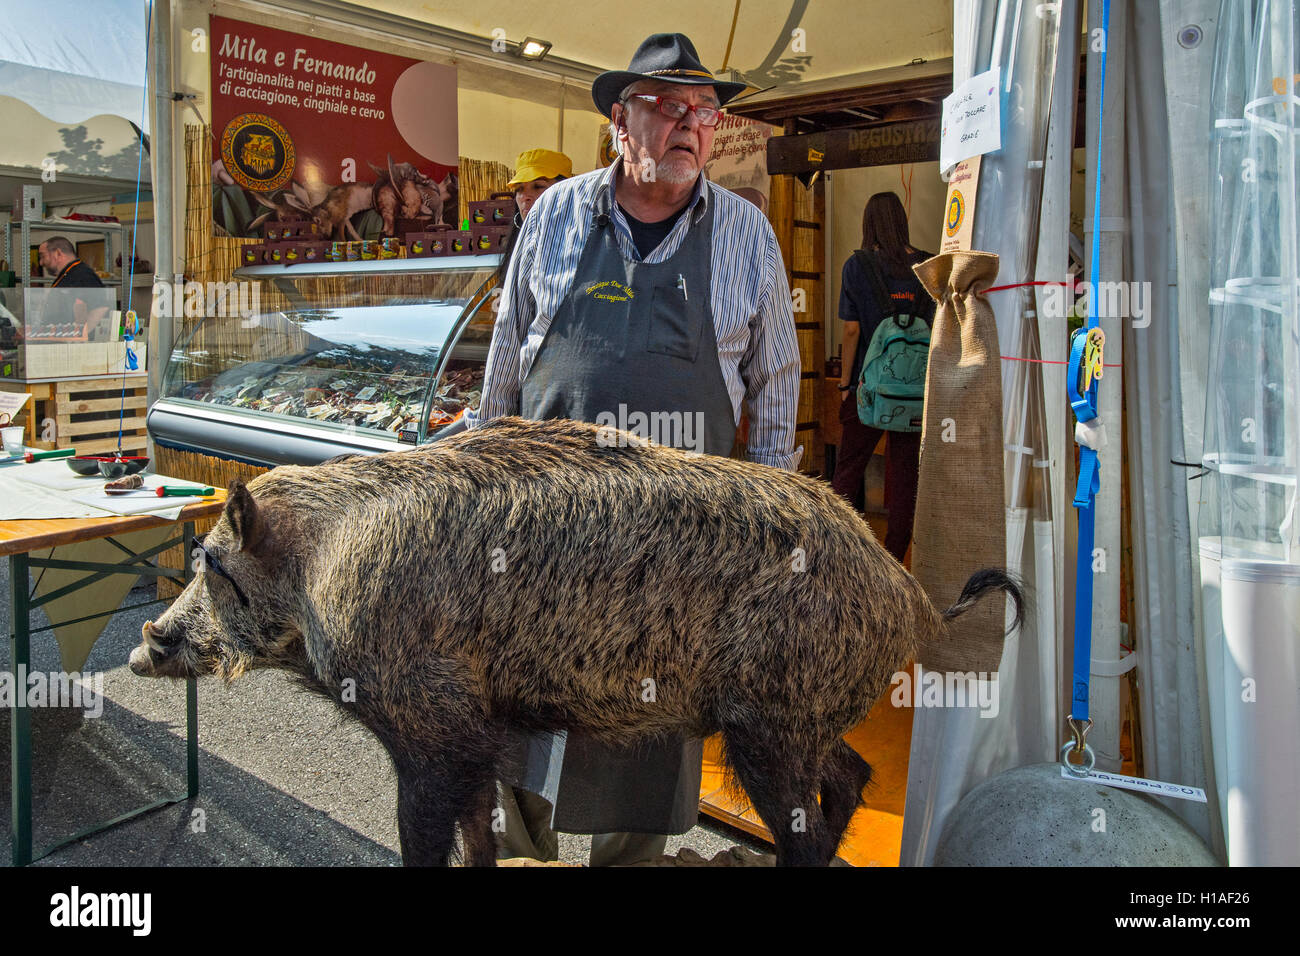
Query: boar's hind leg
782,781
843,776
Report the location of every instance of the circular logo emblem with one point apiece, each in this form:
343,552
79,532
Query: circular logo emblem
257,152
956,212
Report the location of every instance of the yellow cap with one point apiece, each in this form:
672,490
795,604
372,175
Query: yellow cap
539,164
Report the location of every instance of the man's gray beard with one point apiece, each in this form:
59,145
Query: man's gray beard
676,174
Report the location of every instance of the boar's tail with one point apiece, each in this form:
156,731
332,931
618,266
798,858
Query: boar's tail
980,583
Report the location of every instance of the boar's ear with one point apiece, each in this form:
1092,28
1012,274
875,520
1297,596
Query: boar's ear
244,516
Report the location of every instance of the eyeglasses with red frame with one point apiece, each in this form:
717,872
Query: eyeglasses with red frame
676,109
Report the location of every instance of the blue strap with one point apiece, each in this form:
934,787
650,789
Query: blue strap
1084,406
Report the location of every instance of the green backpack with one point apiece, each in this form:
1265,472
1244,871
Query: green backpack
891,388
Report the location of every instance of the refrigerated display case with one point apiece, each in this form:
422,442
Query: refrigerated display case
363,357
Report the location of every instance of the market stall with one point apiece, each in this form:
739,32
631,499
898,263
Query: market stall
72,167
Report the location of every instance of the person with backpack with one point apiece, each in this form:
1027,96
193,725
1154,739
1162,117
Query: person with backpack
887,316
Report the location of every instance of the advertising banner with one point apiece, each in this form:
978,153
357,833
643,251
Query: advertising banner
361,142
739,158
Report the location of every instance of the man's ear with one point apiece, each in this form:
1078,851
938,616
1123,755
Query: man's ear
244,516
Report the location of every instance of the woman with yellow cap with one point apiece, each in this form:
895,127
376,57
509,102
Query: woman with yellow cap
535,171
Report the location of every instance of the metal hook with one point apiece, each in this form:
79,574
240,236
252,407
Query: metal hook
1079,743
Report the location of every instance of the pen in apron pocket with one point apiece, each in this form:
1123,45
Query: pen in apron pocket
681,284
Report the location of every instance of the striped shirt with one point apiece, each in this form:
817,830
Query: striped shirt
752,313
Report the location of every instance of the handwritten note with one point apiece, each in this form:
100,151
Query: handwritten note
972,121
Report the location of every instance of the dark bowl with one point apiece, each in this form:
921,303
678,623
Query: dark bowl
117,467
84,465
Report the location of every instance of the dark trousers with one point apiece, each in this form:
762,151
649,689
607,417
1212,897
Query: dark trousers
902,463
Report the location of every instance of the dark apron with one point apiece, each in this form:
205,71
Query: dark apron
641,337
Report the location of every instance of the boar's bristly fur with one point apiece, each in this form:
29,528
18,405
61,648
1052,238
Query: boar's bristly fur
552,575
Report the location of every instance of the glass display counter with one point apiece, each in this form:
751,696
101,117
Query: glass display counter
362,357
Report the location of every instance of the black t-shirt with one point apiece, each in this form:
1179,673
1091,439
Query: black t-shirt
646,236
859,301
77,275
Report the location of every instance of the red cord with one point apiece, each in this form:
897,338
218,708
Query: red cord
1021,285
1016,358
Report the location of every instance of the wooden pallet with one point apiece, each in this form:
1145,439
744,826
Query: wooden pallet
87,414
84,413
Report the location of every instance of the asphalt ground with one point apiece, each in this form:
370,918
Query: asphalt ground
284,780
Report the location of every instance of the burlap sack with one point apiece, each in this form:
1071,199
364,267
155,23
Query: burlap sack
960,524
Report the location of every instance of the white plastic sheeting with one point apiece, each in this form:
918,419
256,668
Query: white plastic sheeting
1249,532
955,749
71,60
1162,630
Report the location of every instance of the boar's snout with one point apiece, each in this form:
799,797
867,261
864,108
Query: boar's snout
159,655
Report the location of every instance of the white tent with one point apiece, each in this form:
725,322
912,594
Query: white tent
508,105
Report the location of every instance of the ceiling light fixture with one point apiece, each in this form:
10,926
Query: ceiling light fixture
533,49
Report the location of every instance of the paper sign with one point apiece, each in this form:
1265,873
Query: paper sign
972,122
1154,787
959,210
11,403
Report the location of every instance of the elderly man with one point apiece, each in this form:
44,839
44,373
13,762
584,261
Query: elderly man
642,293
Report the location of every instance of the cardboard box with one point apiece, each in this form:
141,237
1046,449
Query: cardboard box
460,242
489,240
492,212
287,229
29,204
314,251
77,359
404,227
417,245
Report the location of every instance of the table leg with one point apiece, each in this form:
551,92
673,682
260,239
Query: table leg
191,695
20,725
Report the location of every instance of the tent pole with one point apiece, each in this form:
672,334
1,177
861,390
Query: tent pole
1104,691
1053,264
160,337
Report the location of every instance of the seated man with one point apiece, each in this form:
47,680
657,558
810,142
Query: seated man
58,256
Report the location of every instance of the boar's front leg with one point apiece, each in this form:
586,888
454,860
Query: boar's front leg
433,792
476,829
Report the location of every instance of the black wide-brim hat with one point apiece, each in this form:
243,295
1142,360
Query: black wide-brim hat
670,57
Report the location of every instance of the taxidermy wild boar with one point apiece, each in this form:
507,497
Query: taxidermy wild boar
535,575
